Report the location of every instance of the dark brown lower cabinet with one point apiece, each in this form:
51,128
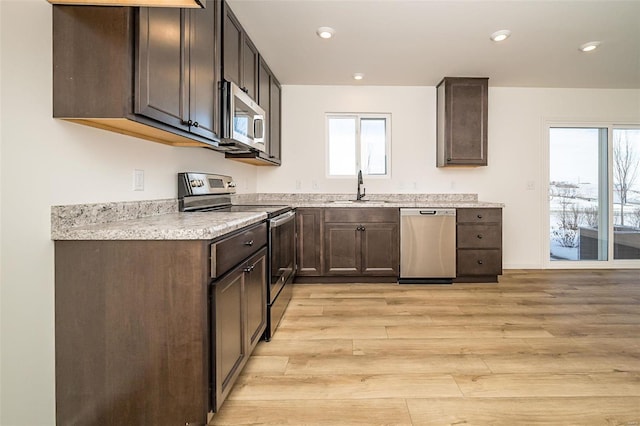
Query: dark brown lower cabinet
361,241
479,244
145,336
239,309
348,244
310,241
131,332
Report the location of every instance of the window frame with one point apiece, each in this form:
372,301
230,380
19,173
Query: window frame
358,166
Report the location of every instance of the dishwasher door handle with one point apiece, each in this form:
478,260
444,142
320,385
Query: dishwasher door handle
428,212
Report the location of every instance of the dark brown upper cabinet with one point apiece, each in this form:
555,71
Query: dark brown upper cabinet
151,73
240,56
269,100
462,121
275,111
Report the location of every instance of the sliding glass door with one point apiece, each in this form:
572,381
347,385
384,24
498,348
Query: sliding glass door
594,193
626,193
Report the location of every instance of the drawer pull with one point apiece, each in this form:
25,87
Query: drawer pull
479,216
480,262
479,236
248,243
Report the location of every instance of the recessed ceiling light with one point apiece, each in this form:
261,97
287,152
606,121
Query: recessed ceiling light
588,47
325,32
500,35
358,76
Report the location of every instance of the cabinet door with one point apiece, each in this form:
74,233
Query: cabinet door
203,55
256,297
161,82
380,244
249,67
231,46
274,122
462,121
230,344
342,249
310,241
264,96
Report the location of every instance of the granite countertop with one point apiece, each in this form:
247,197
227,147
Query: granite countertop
143,220
172,226
161,220
370,200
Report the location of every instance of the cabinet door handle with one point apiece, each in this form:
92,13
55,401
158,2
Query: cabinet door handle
363,229
249,268
480,262
479,236
248,243
196,124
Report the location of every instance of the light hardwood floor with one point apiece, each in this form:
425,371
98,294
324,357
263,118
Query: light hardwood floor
538,348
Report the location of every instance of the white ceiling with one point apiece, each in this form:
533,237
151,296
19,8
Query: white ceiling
417,42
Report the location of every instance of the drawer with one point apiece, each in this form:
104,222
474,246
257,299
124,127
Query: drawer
479,236
361,215
478,215
227,253
479,262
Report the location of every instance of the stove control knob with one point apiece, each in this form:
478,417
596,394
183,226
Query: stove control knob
232,184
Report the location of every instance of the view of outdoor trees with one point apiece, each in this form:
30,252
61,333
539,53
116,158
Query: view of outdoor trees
579,193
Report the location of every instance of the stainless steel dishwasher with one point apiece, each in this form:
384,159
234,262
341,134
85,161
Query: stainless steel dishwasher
427,245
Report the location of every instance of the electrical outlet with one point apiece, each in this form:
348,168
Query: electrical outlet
298,184
531,185
138,180
314,184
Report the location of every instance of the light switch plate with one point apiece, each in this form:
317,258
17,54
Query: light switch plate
138,180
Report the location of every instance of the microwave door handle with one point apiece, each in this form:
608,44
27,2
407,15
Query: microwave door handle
258,128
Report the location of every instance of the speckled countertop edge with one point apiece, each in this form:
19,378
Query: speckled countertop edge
160,219
171,226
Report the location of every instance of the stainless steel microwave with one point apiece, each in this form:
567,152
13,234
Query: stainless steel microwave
244,122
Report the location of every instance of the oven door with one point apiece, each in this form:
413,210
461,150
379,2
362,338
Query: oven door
283,252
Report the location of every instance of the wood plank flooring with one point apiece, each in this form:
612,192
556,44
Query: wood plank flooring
538,348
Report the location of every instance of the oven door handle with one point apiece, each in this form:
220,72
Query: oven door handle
282,219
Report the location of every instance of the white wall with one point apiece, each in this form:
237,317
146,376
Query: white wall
516,148
46,162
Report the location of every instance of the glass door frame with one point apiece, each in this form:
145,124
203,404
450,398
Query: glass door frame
610,263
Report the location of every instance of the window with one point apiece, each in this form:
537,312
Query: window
358,142
594,193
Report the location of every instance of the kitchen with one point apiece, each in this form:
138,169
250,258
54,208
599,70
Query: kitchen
77,165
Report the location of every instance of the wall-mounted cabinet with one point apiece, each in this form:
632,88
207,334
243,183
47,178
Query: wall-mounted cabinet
155,73
269,100
239,54
243,65
149,73
462,105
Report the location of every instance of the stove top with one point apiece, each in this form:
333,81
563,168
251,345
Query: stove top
205,192
270,210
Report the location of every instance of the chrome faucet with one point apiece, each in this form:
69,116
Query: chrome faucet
360,196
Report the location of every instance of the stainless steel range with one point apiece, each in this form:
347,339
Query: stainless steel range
198,192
